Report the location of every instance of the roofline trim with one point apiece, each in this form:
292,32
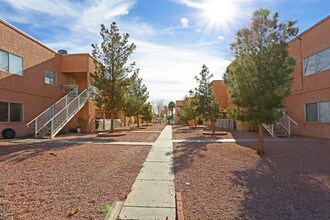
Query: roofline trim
26,35
312,27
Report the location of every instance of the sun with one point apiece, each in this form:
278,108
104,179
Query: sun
218,14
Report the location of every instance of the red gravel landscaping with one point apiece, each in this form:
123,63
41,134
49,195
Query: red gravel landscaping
149,134
52,180
230,181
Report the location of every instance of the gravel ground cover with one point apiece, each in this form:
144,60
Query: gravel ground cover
184,132
51,181
230,181
132,135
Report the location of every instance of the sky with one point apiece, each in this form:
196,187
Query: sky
174,38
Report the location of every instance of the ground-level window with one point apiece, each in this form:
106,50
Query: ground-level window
11,112
11,63
50,77
318,111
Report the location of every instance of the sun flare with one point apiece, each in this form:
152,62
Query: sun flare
218,14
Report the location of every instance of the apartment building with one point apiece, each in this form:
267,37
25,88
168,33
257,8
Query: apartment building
309,102
33,77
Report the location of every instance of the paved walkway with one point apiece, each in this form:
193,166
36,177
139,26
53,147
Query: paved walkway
153,194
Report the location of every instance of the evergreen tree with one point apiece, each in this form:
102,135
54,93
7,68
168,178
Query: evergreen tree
171,107
146,114
189,110
260,76
111,70
136,97
207,105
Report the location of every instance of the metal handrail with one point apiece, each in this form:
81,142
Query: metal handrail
270,128
74,91
290,118
69,116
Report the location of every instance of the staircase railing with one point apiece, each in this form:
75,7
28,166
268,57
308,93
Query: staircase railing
285,123
270,129
45,117
67,113
53,119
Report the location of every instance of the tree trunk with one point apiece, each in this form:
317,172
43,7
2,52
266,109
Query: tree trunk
103,119
112,120
213,127
138,120
260,149
195,121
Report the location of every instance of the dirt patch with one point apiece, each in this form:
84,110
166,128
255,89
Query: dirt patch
51,181
230,181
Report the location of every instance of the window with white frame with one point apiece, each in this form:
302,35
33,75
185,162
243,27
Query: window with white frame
11,112
318,111
50,77
11,63
317,62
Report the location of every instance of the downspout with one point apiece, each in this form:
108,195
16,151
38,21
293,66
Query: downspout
301,63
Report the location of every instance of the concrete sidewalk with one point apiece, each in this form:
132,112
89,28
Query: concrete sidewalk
153,194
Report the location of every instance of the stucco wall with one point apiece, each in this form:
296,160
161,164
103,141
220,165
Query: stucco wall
312,88
30,89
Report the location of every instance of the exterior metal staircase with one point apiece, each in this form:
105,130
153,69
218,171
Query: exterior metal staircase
53,119
281,128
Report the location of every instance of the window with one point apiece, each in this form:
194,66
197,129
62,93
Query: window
324,109
318,111
311,112
317,62
4,59
50,77
11,112
15,64
4,114
11,63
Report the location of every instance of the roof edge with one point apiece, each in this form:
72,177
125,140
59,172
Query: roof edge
312,27
26,35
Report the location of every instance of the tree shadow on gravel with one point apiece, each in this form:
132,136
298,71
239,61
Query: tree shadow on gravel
18,152
292,181
186,153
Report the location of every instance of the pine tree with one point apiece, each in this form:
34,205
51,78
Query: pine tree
136,97
189,110
111,70
207,105
146,114
260,76
171,107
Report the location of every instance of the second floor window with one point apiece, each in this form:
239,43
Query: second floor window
50,77
11,63
317,62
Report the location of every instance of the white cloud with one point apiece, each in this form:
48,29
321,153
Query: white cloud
58,8
184,22
167,69
221,37
198,30
190,3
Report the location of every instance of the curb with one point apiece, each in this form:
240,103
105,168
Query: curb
179,206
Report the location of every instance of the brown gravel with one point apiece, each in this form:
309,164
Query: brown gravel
230,181
149,134
48,181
